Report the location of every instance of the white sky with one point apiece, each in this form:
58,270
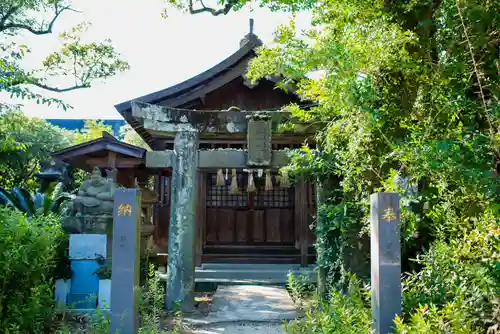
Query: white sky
161,52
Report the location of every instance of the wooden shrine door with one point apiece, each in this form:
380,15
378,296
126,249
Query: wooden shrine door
250,222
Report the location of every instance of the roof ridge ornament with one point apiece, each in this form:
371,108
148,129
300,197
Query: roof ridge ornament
250,37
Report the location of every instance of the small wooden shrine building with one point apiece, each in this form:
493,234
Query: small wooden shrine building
210,115
217,149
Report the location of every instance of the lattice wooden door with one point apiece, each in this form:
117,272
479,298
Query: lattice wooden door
257,218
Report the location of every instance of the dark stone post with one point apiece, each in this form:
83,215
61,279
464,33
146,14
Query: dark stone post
125,262
385,261
180,273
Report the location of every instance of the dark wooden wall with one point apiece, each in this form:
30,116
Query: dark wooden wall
161,211
261,97
237,94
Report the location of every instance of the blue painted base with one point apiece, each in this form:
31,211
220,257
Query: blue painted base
84,284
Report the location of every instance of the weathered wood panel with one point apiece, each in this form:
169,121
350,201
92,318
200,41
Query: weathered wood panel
242,226
301,214
225,222
287,226
258,228
211,226
162,223
273,226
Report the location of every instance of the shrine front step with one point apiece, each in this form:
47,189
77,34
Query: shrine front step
254,266
251,273
237,274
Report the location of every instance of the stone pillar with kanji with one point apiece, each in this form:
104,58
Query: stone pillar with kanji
125,266
385,261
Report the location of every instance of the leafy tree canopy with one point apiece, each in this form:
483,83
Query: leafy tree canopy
82,62
129,136
224,7
93,129
32,140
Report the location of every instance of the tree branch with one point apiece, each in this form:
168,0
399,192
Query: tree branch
56,89
213,11
476,72
25,79
48,30
9,13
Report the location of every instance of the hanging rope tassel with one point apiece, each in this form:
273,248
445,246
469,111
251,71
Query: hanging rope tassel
234,190
284,181
269,182
220,179
260,172
251,185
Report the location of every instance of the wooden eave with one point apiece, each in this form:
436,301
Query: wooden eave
85,155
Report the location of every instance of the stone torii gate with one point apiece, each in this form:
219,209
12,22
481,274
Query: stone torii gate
185,160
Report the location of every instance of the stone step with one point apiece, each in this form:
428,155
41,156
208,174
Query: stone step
251,274
280,266
224,273
228,281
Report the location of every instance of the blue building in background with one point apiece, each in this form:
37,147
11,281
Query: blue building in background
79,124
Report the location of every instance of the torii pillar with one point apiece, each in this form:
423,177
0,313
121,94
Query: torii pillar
180,272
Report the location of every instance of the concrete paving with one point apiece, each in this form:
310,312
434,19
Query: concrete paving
246,309
248,328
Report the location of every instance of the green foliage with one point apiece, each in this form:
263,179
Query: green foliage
299,287
63,263
100,323
449,319
27,258
93,61
26,142
226,6
44,202
400,98
346,313
460,281
104,270
129,136
333,235
152,304
77,64
93,129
